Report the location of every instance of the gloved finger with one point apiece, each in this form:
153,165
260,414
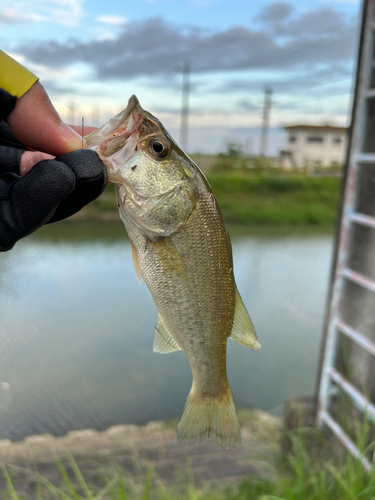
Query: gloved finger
7,103
31,158
7,138
33,199
36,123
10,159
91,180
10,150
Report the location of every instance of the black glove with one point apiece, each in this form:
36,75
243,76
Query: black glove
51,191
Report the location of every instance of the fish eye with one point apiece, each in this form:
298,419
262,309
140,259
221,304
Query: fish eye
158,147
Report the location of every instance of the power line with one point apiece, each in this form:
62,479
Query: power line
320,97
325,84
300,51
306,89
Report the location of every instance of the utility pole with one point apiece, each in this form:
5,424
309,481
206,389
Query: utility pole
185,105
265,123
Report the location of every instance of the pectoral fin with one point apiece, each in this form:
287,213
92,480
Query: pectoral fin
164,342
136,263
243,330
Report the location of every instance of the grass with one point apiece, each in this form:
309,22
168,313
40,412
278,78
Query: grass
303,478
309,480
255,200
277,200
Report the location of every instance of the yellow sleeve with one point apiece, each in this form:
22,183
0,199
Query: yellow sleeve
14,78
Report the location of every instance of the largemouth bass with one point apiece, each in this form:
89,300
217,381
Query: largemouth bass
182,250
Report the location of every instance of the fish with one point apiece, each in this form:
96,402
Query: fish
182,250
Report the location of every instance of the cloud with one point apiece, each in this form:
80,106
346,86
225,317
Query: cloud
242,107
281,19
66,12
54,88
246,106
63,12
275,12
113,20
14,17
154,48
301,81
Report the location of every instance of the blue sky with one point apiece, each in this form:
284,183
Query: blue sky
92,55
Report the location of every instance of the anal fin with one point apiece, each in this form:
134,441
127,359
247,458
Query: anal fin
164,342
243,330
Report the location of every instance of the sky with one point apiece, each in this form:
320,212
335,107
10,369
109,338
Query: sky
92,55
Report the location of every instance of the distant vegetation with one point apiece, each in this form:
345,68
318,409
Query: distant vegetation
256,200
253,197
276,200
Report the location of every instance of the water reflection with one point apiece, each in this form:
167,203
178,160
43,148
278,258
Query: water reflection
77,330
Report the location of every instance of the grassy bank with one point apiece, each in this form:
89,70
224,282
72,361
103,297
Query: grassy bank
301,478
261,200
277,200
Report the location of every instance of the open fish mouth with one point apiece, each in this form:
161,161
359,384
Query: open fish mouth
122,124
113,137
128,123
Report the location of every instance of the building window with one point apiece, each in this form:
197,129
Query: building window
315,138
292,138
337,140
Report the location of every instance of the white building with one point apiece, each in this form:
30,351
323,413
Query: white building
314,146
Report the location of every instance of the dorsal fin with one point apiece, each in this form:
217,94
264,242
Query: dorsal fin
164,342
243,330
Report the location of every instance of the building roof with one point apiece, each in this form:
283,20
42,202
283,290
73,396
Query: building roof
317,128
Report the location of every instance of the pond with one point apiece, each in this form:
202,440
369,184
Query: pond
77,329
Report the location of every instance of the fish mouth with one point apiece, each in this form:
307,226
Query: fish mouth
127,123
116,141
113,136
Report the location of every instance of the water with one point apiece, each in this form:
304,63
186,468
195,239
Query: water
77,330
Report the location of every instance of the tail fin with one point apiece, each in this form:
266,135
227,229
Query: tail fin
203,418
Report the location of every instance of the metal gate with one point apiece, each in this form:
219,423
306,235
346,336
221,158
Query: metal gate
352,302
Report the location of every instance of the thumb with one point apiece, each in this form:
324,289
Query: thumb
35,122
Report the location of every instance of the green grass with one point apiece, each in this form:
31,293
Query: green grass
310,480
303,478
277,200
256,200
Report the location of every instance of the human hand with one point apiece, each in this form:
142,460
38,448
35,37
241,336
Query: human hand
35,186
